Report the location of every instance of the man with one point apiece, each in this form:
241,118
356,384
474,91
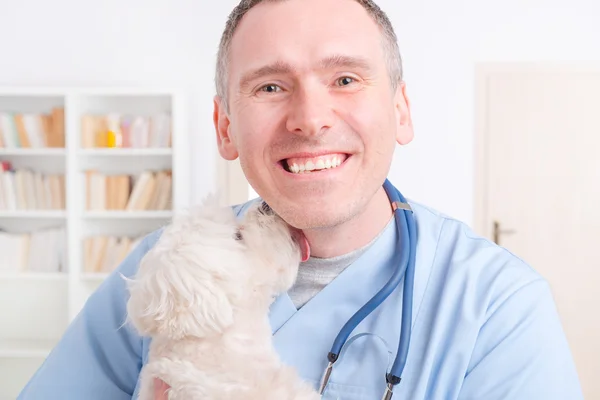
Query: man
317,85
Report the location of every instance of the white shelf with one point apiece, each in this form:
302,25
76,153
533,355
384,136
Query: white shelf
94,277
127,214
38,348
28,152
33,214
39,276
36,307
126,152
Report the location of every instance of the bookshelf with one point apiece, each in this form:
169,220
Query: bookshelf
84,174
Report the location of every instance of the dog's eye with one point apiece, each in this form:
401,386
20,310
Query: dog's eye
238,235
266,209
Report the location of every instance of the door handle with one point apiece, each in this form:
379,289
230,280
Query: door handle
498,231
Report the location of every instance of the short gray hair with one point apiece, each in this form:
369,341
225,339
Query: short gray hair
390,43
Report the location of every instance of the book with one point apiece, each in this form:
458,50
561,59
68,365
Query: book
114,130
32,130
26,189
42,250
103,253
150,190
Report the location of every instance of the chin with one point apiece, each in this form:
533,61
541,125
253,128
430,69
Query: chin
306,216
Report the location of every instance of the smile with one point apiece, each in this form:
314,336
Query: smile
306,165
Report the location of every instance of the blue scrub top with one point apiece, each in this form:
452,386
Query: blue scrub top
485,326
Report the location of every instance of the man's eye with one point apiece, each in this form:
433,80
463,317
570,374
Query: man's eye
270,88
346,80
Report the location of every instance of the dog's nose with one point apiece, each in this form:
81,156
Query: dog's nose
238,235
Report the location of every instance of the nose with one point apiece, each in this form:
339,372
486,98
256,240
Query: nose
311,112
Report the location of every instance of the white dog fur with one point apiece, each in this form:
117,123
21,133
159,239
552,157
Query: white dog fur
203,295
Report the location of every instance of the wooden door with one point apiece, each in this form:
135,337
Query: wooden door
538,188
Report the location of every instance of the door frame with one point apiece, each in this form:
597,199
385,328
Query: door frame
232,186
483,71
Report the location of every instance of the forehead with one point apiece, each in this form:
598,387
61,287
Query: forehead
303,32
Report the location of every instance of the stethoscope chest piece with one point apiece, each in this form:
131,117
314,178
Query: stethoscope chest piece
325,378
389,392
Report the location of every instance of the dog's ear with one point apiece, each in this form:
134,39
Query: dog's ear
172,297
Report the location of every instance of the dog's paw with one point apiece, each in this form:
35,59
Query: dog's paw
183,380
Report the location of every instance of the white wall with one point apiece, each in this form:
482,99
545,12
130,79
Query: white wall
164,42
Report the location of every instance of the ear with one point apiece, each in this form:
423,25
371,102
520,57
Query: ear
172,296
225,142
405,132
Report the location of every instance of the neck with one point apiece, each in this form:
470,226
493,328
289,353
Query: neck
354,233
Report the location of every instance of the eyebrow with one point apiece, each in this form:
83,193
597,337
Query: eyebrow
337,60
280,67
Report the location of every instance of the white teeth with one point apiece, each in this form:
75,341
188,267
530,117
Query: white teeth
319,165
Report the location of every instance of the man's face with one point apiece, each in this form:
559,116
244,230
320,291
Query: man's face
309,89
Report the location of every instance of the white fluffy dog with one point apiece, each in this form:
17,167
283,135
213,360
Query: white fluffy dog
203,294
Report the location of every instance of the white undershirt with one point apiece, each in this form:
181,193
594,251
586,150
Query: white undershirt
316,273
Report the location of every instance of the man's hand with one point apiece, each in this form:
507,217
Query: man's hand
160,390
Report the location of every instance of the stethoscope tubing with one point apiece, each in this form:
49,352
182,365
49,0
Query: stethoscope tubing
407,294
407,236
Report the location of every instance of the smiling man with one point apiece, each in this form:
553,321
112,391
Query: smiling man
311,99
299,91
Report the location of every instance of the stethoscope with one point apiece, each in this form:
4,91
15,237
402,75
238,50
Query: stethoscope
406,227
